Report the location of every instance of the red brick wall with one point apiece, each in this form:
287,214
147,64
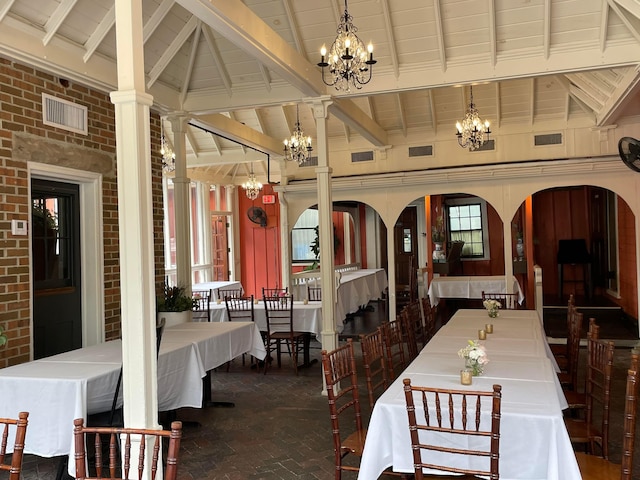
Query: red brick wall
21,88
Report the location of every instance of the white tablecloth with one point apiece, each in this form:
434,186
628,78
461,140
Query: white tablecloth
306,318
534,444
470,287
215,287
357,288
58,389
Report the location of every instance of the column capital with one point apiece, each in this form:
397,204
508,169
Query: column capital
178,121
320,105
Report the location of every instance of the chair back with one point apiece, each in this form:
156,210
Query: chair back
630,416
339,367
279,313
394,348
508,301
124,438
445,417
314,294
274,292
240,308
223,293
598,391
15,467
375,368
429,319
201,305
573,352
408,327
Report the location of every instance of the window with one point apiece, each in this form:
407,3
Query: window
303,235
467,220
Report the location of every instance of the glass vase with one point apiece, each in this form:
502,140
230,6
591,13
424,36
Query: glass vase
474,367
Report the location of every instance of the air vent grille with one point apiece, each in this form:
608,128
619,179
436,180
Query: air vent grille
488,145
422,151
548,139
60,113
362,156
311,162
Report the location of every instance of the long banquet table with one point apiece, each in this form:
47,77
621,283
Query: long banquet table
56,390
470,287
534,444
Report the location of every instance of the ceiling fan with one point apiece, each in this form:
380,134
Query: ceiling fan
257,215
629,149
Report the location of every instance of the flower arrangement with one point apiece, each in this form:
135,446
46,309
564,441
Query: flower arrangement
492,307
437,230
475,357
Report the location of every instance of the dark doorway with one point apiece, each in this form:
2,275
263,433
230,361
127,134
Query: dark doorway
55,246
406,253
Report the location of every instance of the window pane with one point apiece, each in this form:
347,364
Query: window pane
464,210
474,210
476,223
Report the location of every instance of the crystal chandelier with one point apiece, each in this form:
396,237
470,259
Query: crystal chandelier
472,130
252,186
168,156
298,147
349,61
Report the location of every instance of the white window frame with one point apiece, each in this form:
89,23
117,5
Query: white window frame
485,227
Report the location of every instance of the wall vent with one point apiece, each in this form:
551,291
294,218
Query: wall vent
488,145
548,139
311,162
423,151
362,156
60,113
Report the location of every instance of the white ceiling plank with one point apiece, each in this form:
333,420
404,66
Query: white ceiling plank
241,144
346,111
493,42
193,144
586,84
295,29
532,100
96,38
433,111
56,19
266,76
632,6
156,19
630,20
546,42
5,8
586,99
626,90
347,132
217,58
403,114
604,25
393,52
261,123
192,60
247,31
216,143
173,48
439,34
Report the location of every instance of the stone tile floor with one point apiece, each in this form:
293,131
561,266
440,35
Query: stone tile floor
280,427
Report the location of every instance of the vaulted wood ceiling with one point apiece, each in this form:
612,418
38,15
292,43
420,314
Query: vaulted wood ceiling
239,68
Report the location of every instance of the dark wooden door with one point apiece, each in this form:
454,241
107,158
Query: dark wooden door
406,245
55,247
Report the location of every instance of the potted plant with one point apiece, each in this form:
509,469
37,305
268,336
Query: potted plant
438,238
174,305
3,338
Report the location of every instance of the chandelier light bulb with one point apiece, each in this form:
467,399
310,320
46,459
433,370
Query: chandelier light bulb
252,186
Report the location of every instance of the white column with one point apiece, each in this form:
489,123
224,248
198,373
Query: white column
508,256
135,221
285,241
182,205
233,240
325,207
391,272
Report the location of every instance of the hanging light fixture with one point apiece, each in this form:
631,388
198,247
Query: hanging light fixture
252,186
168,155
298,147
472,130
349,62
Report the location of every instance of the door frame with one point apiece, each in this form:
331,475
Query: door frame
91,246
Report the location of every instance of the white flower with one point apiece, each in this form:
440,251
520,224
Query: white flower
492,304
